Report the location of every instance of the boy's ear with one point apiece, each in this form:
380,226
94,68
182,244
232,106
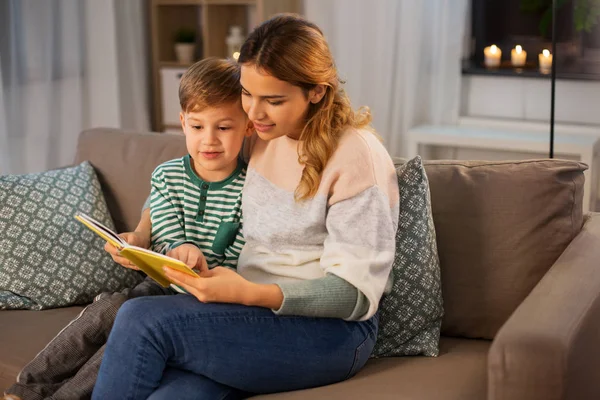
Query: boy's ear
182,120
249,129
316,94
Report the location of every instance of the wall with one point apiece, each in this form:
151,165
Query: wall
524,104
528,99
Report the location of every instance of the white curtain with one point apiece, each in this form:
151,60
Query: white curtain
399,57
67,65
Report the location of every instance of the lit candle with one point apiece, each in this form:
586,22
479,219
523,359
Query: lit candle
518,56
492,56
545,60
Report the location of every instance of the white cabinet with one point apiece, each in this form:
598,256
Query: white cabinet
169,85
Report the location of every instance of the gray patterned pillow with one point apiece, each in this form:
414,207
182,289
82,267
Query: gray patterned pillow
410,316
47,258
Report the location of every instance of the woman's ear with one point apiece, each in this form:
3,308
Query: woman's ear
316,94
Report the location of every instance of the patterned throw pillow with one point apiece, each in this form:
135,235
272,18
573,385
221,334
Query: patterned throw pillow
410,316
47,258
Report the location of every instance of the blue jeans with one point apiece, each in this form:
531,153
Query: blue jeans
176,347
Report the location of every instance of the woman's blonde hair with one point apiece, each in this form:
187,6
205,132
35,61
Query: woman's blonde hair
294,50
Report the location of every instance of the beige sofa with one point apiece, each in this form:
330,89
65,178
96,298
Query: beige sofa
520,277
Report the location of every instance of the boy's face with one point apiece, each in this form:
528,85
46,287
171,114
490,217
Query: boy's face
214,138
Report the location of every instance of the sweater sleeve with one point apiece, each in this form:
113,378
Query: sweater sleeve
328,297
361,244
359,250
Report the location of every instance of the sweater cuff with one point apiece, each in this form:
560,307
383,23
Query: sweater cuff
327,297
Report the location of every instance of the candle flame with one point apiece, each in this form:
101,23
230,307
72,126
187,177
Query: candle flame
546,53
493,49
518,49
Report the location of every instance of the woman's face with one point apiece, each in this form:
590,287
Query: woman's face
275,107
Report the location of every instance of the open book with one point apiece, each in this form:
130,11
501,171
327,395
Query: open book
148,261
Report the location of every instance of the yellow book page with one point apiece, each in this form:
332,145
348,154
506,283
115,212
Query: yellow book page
152,263
101,231
148,261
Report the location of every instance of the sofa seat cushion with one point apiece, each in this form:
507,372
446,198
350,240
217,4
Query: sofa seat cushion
24,333
459,373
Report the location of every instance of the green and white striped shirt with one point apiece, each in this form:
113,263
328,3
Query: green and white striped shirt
187,209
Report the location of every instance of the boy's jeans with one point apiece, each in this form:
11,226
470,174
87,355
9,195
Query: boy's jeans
68,366
176,347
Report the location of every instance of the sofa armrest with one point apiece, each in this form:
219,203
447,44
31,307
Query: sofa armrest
549,348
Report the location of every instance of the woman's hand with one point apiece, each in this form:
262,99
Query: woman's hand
190,255
223,285
138,239
219,285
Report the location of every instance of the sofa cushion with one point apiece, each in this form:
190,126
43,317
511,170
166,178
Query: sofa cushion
24,333
124,162
500,226
47,258
410,316
459,373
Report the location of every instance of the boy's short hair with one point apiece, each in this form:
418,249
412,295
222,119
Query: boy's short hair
211,82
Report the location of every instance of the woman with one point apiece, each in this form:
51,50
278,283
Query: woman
320,208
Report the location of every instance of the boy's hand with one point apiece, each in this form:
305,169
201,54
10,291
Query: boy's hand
190,255
132,238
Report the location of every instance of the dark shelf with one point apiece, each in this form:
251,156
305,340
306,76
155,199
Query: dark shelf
579,72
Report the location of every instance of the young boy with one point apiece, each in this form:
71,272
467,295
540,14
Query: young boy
195,202
195,208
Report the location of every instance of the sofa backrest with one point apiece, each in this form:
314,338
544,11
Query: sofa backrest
500,225
124,162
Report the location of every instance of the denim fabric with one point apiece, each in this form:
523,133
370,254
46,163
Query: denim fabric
177,384
233,349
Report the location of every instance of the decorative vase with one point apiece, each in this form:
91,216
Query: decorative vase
184,52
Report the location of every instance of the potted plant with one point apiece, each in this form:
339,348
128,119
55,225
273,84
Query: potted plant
586,16
586,13
185,43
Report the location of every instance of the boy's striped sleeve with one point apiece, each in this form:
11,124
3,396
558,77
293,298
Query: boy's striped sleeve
167,226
